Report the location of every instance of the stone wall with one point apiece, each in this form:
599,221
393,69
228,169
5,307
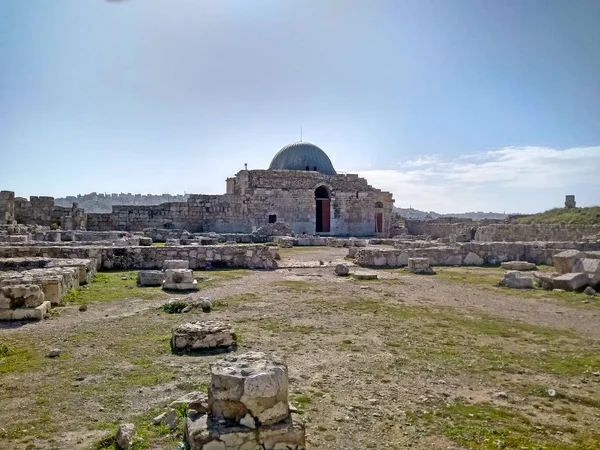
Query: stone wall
439,229
42,211
536,232
470,253
7,207
199,257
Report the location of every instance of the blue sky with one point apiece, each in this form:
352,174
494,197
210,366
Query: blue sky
451,105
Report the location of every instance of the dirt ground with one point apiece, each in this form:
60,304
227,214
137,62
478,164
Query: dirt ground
447,361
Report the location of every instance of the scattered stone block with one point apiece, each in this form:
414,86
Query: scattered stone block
54,353
365,275
125,436
179,280
518,265
544,280
571,281
473,259
568,261
197,336
176,264
516,280
251,384
145,241
592,268
420,266
198,401
150,278
341,270
171,419
589,291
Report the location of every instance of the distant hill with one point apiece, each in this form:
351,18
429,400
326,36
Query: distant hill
584,216
103,203
415,214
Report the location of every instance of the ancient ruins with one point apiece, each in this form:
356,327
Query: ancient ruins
49,252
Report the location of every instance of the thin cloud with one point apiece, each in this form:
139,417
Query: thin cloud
512,178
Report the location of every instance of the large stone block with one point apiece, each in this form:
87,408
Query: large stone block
419,266
179,280
21,296
571,281
517,280
150,278
203,336
25,313
203,433
568,261
249,388
283,435
592,268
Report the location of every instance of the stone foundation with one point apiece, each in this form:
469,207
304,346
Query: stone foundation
197,336
248,408
180,280
139,258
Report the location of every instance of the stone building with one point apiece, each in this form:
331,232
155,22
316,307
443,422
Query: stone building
300,188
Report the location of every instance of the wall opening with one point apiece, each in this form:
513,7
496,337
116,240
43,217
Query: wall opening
272,218
315,168
307,168
323,203
378,218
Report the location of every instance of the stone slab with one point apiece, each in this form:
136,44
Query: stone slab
150,278
365,275
203,335
571,281
518,265
25,313
176,264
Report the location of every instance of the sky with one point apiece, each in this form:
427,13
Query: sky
453,106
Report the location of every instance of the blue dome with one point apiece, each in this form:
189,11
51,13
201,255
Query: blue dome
299,156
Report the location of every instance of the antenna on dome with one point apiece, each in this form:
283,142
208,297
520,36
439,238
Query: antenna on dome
300,134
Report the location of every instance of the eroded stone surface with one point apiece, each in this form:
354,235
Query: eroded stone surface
179,280
341,270
571,281
251,383
518,265
203,335
365,275
150,278
420,266
567,261
21,296
125,435
176,264
517,280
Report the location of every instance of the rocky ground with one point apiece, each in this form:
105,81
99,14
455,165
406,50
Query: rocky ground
446,361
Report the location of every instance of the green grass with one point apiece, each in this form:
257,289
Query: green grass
15,359
110,286
210,278
296,285
484,426
583,216
158,244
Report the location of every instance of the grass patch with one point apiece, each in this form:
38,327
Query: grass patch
109,286
295,285
583,216
484,426
210,278
158,244
17,359
276,325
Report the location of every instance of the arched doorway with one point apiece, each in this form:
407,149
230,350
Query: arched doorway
322,210
378,217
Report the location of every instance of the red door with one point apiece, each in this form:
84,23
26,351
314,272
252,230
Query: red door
378,222
325,227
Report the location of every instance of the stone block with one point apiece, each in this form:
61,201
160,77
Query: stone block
568,261
145,241
571,281
176,264
473,259
341,270
517,280
544,280
203,336
364,275
179,280
150,278
21,296
25,313
518,265
420,266
283,435
592,268
249,388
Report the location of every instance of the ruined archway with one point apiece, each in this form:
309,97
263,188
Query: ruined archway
323,202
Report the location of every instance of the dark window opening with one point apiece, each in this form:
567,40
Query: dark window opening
322,210
356,194
307,168
378,205
272,218
315,168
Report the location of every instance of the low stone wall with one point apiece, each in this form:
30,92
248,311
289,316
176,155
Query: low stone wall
471,253
536,232
200,257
